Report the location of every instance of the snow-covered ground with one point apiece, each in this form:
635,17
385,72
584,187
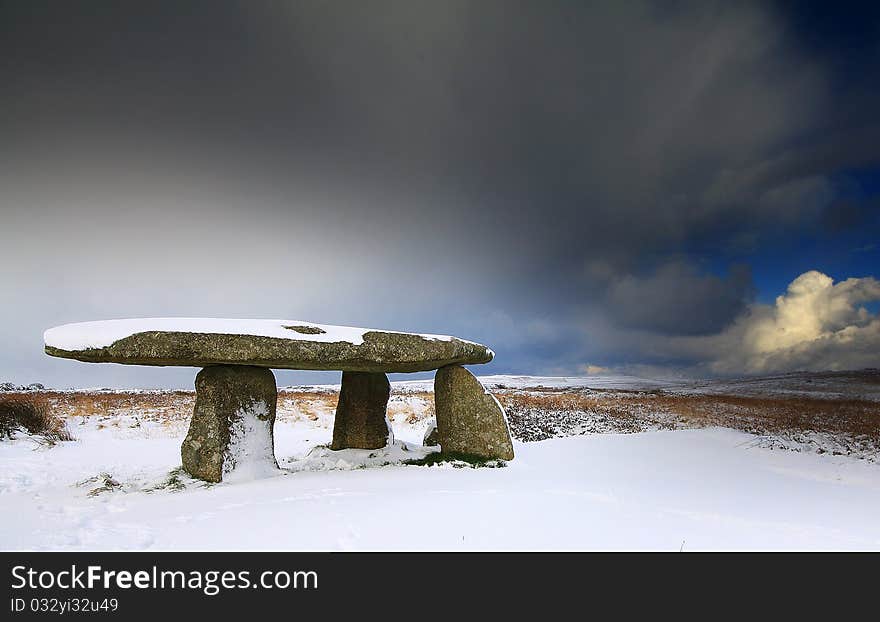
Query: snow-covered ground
118,487
863,384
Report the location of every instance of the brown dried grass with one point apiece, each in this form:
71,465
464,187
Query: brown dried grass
32,414
293,404
761,415
158,404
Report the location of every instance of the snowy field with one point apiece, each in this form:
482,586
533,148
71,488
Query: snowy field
118,486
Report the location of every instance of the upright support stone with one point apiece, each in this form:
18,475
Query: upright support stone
231,427
360,414
469,419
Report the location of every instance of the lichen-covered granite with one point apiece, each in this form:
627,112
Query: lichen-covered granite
279,344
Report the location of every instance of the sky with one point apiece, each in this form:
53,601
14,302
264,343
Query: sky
664,188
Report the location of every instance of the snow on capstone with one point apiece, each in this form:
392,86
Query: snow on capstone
104,333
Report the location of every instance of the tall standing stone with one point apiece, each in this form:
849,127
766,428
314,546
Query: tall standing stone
469,419
232,422
360,414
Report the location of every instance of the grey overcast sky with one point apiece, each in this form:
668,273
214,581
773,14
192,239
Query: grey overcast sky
648,187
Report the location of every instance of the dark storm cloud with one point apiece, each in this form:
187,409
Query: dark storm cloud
503,170
655,302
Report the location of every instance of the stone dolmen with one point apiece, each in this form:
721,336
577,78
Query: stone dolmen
236,393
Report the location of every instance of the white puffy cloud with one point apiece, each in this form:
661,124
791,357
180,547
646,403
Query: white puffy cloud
594,369
815,324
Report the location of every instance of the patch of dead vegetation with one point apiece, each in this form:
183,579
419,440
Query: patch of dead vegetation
536,415
156,406
412,407
105,483
31,413
296,405
539,415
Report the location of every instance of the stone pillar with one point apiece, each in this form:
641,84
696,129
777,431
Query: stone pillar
469,419
231,427
360,414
